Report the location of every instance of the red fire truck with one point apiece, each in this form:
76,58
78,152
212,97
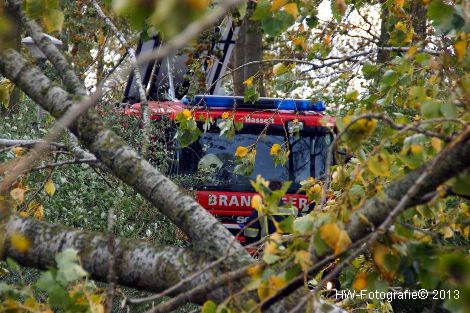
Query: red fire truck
300,123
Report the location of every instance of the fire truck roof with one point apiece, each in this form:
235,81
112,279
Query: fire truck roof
266,111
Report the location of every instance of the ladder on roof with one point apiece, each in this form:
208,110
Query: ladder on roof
169,78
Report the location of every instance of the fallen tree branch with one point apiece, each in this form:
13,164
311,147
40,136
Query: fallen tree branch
138,264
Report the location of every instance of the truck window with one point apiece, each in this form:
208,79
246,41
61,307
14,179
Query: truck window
215,153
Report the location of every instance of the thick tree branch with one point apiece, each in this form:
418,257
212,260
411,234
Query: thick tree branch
377,209
138,264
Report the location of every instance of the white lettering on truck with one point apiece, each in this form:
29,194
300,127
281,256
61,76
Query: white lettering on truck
245,201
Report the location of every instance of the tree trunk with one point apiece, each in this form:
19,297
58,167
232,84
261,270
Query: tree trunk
383,55
249,48
418,19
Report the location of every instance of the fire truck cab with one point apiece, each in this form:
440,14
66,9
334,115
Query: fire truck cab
298,124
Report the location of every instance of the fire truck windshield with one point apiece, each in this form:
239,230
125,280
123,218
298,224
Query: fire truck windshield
212,157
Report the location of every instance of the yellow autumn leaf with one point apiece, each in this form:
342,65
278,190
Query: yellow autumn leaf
416,149
460,49
292,9
379,165
360,281
256,202
249,81
302,258
18,194
225,115
241,151
399,3
277,4
412,51
447,232
436,143
53,20
316,189
276,283
100,39
466,231
335,237
19,242
275,149
96,308
269,288
379,252
299,41
49,188
18,151
327,41
39,212
187,114
23,214
254,271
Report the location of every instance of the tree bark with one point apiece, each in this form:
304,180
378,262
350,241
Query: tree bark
419,20
138,264
248,48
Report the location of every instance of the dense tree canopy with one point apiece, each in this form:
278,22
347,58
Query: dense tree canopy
394,213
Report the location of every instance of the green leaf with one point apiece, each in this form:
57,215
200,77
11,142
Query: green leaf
390,77
278,23
238,125
369,70
46,281
444,17
303,224
262,10
53,20
209,307
461,184
351,96
66,257
251,95
449,110
34,8
320,246
312,21
242,9
287,224
431,108
13,265
356,193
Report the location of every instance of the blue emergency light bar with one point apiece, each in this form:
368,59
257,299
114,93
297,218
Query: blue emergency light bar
261,103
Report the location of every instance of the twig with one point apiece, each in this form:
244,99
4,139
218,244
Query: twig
29,143
111,261
66,162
